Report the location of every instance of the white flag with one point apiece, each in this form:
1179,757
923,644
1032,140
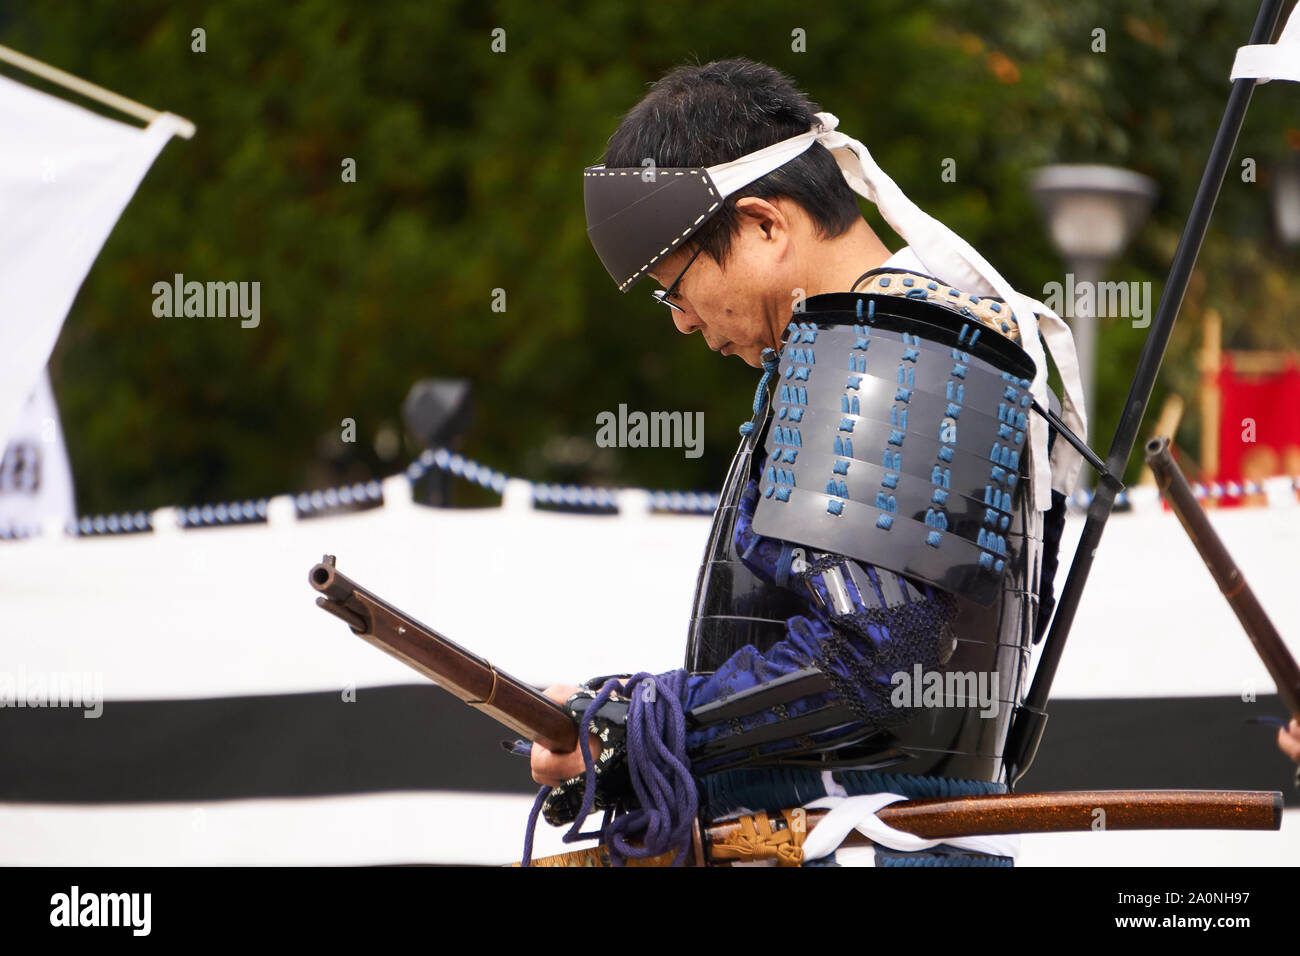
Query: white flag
66,174
1272,61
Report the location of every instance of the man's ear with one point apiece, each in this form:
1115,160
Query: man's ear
768,216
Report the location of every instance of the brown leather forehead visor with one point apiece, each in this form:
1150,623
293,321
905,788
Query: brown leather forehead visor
638,216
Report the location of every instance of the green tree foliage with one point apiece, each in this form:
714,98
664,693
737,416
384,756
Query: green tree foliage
468,180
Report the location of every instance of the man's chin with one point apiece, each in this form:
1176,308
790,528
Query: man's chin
750,355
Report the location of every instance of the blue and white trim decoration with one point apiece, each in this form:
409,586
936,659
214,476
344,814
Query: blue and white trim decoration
369,494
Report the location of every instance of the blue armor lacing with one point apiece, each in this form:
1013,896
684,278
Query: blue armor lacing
760,393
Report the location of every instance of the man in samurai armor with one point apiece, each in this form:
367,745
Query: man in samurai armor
881,559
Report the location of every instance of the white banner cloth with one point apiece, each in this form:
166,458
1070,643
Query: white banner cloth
1272,61
66,174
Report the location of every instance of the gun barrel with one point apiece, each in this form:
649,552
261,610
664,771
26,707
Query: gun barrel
474,680
330,583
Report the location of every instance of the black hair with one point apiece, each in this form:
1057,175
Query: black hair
704,115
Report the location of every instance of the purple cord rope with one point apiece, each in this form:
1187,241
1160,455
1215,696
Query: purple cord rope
659,769
532,826
589,785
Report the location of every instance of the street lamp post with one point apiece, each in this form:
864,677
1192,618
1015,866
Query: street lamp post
1092,212
1286,201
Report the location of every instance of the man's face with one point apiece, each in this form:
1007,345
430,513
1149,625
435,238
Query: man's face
738,308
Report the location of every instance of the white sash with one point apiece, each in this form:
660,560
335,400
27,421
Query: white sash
952,260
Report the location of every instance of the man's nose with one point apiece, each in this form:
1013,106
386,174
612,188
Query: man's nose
686,322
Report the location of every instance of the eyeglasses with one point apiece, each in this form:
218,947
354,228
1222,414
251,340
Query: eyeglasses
663,295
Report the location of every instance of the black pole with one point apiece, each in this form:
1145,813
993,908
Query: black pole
1031,717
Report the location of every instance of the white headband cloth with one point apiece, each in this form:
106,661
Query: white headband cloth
950,259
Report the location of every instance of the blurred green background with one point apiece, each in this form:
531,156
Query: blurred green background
469,179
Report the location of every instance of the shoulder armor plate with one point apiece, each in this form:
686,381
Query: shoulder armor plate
898,437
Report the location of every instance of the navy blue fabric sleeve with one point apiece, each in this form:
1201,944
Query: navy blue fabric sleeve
852,642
